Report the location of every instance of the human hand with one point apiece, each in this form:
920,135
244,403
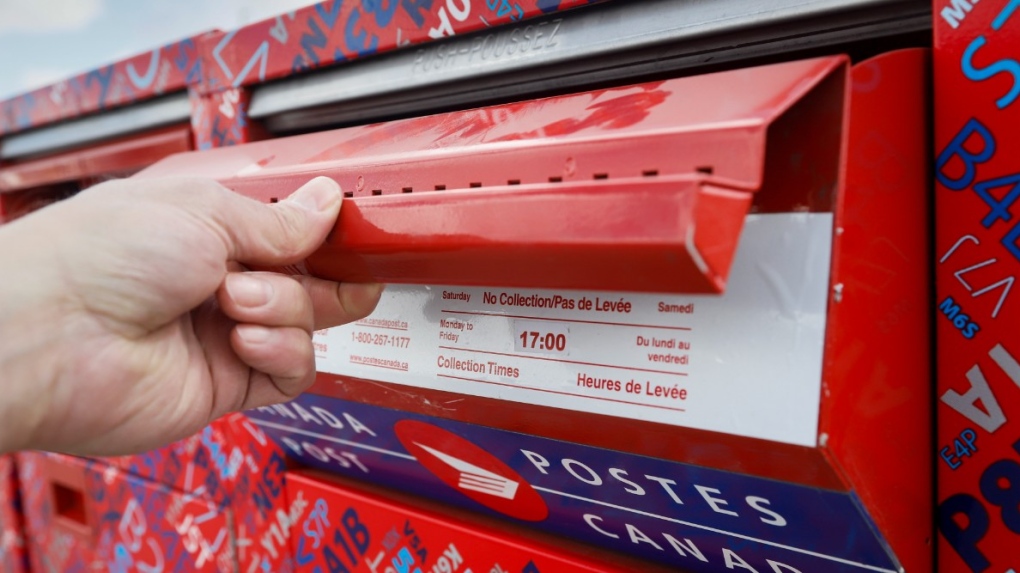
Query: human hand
125,322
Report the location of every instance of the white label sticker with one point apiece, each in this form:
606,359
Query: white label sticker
747,362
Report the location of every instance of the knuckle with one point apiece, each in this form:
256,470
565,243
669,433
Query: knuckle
292,233
303,373
299,303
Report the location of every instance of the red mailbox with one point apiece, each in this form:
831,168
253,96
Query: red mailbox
689,270
82,514
977,260
29,184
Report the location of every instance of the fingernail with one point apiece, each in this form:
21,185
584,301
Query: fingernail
248,291
319,194
253,334
361,298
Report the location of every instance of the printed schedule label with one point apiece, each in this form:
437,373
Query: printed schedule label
747,362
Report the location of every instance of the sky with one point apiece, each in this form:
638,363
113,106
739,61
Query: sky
43,41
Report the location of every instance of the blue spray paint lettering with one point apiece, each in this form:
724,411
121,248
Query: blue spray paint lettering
329,17
957,150
1006,498
102,76
403,561
963,446
981,150
414,9
383,10
315,40
357,39
1003,66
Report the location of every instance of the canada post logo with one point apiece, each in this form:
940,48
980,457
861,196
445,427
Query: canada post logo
471,470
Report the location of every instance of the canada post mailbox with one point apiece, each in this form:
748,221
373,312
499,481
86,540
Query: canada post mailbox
685,319
85,515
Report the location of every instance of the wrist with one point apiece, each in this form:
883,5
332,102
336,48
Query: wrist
29,349
22,410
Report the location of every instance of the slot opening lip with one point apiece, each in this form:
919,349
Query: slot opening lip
375,228
640,177
406,193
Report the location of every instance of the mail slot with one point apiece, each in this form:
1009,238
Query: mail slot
30,184
792,409
644,188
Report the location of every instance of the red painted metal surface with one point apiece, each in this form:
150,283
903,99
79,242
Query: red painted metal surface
117,158
977,261
871,387
331,32
876,377
12,538
876,418
86,515
573,228
540,167
31,184
584,191
334,31
386,530
220,119
234,464
50,548
164,70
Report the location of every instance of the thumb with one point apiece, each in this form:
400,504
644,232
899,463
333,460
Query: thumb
281,233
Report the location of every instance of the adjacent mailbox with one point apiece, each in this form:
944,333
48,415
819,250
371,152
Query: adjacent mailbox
27,185
669,317
977,256
81,515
